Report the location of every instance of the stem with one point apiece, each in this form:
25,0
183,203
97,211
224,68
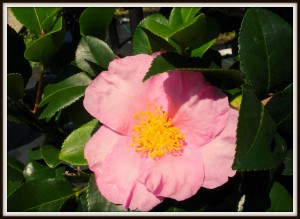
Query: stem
77,194
38,94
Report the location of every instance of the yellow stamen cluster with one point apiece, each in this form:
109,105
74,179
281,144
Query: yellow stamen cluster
155,134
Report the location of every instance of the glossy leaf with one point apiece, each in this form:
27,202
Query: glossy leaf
190,33
211,33
279,151
95,22
50,155
266,40
49,22
165,36
158,28
93,55
35,18
14,175
62,94
142,42
96,202
77,114
40,195
36,171
280,199
158,43
181,15
280,106
288,163
73,147
82,205
42,49
172,61
12,186
60,173
188,14
35,154
15,86
16,63
14,169
255,132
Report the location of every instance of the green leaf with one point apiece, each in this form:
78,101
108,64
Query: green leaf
279,152
16,63
73,147
158,29
95,21
60,173
280,199
15,86
280,106
188,14
172,61
266,40
288,164
190,33
96,202
12,186
93,55
50,155
14,169
82,205
211,33
35,154
42,49
179,16
49,22
40,195
158,43
35,19
141,42
255,132
62,94
36,171
77,114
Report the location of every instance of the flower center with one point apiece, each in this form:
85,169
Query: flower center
155,134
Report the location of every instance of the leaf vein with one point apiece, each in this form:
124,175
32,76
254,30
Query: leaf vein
37,17
258,131
267,54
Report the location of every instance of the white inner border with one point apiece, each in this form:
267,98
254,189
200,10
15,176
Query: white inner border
295,101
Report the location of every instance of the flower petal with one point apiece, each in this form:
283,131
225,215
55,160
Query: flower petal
218,155
117,94
198,109
177,177
117,178
99,145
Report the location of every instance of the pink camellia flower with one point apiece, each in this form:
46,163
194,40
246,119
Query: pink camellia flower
165,137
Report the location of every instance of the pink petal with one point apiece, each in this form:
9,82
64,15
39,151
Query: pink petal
117,178
198,109
99,145
117,94
177,177
218,155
